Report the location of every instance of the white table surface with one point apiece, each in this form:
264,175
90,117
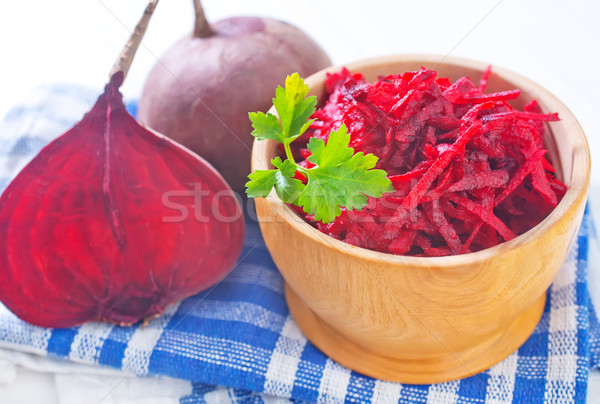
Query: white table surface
554,42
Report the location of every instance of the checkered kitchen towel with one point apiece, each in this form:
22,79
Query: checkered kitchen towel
240,336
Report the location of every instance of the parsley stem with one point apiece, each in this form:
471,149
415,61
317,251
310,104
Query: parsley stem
288,152
301,169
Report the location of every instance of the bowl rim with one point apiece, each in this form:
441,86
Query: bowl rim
576,192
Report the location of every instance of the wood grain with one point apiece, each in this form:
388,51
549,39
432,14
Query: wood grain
425,320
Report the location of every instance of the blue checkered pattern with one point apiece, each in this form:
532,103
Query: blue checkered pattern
237,342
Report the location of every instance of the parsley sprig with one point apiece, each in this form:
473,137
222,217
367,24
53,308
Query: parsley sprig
341,178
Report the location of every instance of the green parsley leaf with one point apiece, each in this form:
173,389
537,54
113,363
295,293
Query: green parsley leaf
340,178
288,188
266,126
286,167
335,152
293,108
261,183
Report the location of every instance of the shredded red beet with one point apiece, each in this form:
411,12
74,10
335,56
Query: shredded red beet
469,170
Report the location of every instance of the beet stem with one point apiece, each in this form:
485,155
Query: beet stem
125,59
201,25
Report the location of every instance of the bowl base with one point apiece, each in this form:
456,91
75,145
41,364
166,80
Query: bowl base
425,370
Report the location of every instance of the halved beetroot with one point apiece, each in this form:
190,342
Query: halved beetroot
112,221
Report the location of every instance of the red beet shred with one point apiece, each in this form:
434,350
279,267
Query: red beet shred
469,170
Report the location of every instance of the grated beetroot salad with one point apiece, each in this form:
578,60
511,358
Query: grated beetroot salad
469,170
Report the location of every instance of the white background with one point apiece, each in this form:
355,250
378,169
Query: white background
555,43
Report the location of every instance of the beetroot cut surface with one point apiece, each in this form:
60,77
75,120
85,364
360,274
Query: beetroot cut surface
113,222
468,169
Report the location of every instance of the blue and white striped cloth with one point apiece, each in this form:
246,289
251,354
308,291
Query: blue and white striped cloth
237,342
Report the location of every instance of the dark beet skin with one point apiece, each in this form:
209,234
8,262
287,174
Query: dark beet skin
92,227
201,91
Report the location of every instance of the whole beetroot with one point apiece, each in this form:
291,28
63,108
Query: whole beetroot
200,92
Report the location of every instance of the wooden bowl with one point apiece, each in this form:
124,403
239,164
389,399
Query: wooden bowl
427,320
